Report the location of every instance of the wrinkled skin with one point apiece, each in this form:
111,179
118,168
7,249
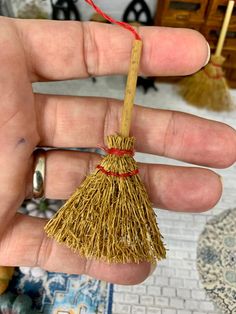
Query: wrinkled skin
48,50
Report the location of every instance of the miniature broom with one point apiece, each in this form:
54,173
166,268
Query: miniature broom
208,87
109,217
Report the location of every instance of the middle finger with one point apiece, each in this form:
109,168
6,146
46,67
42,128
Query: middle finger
66,121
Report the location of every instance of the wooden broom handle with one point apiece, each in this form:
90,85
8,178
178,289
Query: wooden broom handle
130,88
224,28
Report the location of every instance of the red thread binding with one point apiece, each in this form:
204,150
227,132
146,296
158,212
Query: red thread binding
107,17
119,175
218,77
216,64
118,152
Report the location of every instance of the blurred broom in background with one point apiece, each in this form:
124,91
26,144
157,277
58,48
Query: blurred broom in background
208,88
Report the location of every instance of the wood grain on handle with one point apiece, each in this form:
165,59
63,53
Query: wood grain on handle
131,88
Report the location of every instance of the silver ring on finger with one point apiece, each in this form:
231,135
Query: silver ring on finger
39,173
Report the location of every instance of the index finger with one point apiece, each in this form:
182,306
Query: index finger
58,50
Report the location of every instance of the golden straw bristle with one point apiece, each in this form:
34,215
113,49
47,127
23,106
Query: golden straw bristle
110,218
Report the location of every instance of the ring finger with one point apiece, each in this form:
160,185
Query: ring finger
169,187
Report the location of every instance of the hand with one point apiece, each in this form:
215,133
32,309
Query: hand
48,50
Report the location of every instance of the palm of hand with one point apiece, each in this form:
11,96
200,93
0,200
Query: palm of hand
43,50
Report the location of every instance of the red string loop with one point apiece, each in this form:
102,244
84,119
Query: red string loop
119,175
110,19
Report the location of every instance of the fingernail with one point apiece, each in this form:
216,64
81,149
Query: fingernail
208,55
152,269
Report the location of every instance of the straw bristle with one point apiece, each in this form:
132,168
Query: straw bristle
110,218
208,88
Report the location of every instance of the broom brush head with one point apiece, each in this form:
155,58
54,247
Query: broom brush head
109,217
208,88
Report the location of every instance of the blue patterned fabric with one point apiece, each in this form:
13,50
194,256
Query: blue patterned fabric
60,293
216,260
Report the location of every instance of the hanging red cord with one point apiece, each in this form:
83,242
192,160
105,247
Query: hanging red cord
110,19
